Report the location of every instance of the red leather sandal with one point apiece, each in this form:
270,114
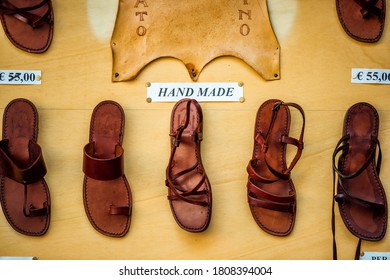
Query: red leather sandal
362,20
271,192
25,196
106,192
28,24
189,190
360,195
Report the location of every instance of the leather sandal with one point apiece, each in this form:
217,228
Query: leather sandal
271,192
189,190
25,197
28,24
363,20
360,195
106,192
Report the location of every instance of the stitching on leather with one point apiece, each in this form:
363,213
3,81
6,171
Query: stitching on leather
346,217
3,200
92,220
365,39
197,154
127,186
283,156
5,25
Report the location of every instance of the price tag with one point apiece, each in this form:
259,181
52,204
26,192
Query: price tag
20,77
370,76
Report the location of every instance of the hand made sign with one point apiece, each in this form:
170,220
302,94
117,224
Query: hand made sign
194,32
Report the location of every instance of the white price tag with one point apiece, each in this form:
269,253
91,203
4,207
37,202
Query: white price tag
208,92
375,256
370,76
20,77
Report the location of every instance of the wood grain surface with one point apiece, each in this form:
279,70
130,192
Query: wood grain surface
316,61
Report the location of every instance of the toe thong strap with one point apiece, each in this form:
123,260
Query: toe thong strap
120,210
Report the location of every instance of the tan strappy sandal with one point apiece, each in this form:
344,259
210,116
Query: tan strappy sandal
271,192
189,190
359,193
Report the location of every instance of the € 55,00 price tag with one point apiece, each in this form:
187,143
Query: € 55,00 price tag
20,77
370,76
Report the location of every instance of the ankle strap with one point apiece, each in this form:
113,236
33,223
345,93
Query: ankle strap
285,140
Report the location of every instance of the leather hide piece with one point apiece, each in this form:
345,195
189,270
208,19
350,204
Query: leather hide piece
195,32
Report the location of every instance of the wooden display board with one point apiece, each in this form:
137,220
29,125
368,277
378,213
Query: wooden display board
316,61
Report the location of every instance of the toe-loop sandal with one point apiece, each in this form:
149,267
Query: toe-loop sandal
106,191
25,197
270,189
189,190
28,24
359,193
362,20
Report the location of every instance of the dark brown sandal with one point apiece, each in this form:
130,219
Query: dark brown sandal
28,24
25,196
106,192
363,20
360,194
189,190
271,192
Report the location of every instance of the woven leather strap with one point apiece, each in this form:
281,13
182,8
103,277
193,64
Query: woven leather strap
178,193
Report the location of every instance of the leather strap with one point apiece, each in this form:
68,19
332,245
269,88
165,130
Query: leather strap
346,196
285,175
120,210
31,174
369,8
256,176
343,146
23,14
170,181
26,176
260,198
102,169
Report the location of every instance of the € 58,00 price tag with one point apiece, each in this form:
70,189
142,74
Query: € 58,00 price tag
370,76
20,77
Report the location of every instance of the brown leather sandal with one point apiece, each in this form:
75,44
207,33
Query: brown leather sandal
271,192
106,192
363,20
25,196
28,24
189,190
360,194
